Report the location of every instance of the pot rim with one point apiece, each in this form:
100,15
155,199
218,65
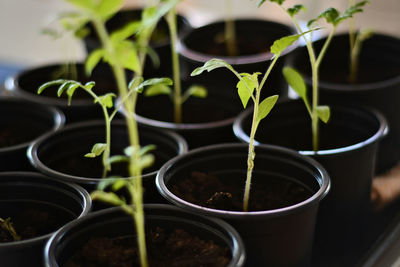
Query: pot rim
199,57
180,127
58,120
80,192
181,18
32,151
251,215
380,133
237,249
12,85
369,86
184,127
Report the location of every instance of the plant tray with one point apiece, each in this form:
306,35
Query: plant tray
381,232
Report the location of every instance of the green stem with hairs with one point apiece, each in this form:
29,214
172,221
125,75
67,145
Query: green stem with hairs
177,94
230,31
251,153
315,64
134,168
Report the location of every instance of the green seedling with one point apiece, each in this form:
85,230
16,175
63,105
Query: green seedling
106,103
175,95
8,227
230,30
122,53
356,41
250,88
334,18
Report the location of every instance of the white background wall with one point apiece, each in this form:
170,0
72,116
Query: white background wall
21,21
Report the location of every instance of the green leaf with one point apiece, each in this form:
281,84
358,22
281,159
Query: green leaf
127,55
106,100
85,4
146,149
129,151
49,84
260,3
71,90
107,197
158,89
211,65
246,87
196,91
348,13
279,2
152,15
118,184
104,183
62,87
154,81
125,32
93,59
293,11
296,81
97,150
281,44
324,113
330,15
143,150
146,161
81,32
135,82
117,158
265,107
159,85
106,8
89,85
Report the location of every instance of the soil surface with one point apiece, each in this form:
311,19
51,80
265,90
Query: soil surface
32,222
208,190
219,48
165,249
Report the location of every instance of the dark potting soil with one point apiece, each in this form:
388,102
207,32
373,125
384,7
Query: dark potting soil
226,191
244,47
78,165
177,248
366,74
12,133
33,220
193,110
31,81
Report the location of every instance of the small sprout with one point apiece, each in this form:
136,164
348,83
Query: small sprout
167,8
97,150
8,227
108,197
333,17
296,81
250,88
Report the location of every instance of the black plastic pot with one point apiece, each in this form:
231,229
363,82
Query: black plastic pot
21,191
25,84
160,41
348,146
21,123
115,223
199,45
205,120
61,154
276,237
377,87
